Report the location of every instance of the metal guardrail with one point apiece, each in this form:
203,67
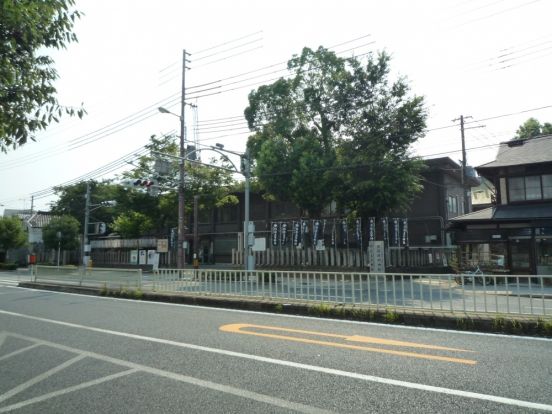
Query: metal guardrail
500,294
111,278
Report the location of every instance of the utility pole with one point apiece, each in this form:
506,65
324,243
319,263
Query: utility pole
85,246
248,231
181,258
465,188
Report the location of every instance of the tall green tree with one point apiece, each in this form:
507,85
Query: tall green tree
12,233
533,128
133,225
69,231
28,103
337,129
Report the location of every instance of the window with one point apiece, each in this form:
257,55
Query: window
516,189
547,186
535,187
452,204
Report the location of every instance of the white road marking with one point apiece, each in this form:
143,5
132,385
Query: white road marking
65,391
39,378
344,321
173,376
19,351
314,368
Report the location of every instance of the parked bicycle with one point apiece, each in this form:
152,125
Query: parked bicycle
474,276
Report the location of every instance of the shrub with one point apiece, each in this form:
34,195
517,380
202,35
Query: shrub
8,266
465,323
391,316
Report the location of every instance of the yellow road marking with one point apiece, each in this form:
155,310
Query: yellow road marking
240,329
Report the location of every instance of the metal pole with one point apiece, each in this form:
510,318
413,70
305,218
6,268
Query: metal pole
86,220
180,258
465,198
58,235
249,260
196,230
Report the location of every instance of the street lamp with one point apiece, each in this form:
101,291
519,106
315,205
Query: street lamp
248,228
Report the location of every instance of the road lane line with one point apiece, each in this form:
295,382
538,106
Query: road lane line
19,351
66,391
22,387
236,328
307,367
280,315
267,399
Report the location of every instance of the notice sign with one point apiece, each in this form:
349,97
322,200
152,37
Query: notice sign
134,257
376,253
162,245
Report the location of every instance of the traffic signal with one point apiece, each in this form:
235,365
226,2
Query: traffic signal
143,183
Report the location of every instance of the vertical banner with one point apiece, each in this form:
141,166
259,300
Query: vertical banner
274,233
404,240
396,232
315,231
304,230
334,234
358,231
283,233
344,233
385,228
372,229
296,233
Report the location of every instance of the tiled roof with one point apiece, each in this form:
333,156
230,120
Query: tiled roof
520,152
509,212
485,214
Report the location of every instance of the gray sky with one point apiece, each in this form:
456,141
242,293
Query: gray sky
484,58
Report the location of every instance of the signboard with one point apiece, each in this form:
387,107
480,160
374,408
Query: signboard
134,257
142,257
153,259
260,244
162,245
376,253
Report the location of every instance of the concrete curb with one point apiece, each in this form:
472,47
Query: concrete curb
516,325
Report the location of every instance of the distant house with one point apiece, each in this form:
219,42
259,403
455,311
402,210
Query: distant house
442,199
219,235
483,195
33,223
515,234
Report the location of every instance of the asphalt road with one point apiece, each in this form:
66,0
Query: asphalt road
65,353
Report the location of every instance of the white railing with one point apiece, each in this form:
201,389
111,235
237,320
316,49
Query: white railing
72,275
502,294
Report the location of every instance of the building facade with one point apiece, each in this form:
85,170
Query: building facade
515,234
